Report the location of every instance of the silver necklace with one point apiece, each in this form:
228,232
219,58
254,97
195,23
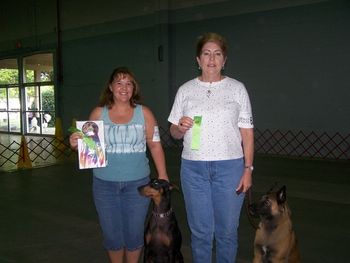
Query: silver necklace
208,93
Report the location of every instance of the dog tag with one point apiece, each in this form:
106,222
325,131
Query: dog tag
196,132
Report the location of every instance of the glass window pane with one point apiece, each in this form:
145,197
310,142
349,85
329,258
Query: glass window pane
14,102
3,110
49,123
15,122
34,120
32,98
3,99
47,98
29,116
3,121
38,68
9,71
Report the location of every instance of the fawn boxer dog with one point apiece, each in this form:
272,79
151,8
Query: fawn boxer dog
275,240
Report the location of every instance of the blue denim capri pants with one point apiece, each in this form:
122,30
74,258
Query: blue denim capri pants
213,207
122,212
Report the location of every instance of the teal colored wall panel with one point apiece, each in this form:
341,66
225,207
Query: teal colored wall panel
87,64
294,60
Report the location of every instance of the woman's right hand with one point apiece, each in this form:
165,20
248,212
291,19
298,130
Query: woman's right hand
73,140
185,123
178,131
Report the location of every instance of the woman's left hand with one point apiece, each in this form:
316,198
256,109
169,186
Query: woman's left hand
245,182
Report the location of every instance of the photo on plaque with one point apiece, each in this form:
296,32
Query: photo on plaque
91,147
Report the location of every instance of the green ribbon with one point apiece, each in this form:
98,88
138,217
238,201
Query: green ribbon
86,139
196,132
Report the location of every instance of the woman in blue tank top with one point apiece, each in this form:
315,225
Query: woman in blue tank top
129,129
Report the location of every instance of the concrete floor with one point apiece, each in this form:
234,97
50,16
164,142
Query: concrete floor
47,214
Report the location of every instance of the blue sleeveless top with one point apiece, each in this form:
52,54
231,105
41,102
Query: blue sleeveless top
125,149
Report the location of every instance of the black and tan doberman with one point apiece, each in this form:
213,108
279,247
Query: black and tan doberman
275,239
162,234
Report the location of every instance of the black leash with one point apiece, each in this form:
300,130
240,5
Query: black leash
248,201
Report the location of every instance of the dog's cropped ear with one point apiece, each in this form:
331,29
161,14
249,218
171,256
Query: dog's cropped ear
281,195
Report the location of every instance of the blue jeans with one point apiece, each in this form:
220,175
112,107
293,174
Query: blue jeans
122,212
213,207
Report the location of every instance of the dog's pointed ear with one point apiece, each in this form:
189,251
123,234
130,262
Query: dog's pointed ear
252,210
281,195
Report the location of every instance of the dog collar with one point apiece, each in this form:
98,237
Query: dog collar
162,215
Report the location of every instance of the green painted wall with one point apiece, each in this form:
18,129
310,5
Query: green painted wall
293,57
294,61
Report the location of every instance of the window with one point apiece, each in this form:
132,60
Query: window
9,96
27,100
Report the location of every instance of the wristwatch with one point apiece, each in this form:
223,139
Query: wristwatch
251,167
